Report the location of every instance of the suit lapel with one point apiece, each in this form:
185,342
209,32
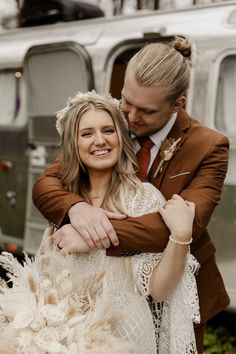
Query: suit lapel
181,124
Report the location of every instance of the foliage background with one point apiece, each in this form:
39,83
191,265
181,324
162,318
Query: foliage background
220,334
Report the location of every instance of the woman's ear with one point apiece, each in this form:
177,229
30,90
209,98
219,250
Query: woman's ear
179,103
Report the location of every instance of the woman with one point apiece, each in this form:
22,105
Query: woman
100,302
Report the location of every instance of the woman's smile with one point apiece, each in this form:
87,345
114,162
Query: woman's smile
101,153
98,143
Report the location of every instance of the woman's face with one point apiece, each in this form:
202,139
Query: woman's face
98,142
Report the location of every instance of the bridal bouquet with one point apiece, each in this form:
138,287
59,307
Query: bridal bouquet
50,309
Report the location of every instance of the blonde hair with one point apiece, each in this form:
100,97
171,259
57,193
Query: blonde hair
74,174
163,65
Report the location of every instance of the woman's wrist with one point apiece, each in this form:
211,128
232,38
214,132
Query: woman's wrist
175,239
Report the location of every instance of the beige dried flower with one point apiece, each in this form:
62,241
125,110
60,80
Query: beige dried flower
32,284
167,149
51,297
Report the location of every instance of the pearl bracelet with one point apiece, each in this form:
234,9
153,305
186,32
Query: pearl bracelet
180,242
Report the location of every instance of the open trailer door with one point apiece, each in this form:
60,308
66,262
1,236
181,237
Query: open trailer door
53,72
13,157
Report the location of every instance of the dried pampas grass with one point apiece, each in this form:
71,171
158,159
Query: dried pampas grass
49,309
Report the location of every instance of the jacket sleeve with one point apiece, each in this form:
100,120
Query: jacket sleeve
50,197
148,233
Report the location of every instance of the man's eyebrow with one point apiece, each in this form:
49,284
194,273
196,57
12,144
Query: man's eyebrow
151,109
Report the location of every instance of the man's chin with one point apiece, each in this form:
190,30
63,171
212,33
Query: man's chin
138,132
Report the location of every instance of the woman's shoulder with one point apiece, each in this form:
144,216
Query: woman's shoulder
146,200
150,189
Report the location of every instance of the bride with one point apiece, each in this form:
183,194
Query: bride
68,300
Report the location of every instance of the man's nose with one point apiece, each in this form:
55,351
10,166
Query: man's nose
133,114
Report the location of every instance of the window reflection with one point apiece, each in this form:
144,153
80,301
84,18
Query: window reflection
11,93
226,102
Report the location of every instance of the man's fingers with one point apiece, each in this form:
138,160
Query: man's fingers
87,237
95,238
116,216
94,227
110,232
104,237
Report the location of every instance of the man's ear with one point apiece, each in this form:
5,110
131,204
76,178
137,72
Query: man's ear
179,104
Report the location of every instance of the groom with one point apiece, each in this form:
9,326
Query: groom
183,157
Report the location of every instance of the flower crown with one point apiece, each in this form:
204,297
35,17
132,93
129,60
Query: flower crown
79,98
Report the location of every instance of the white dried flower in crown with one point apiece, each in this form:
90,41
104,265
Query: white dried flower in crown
81,97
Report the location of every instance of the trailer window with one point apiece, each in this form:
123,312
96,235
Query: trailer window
53,73
12,95
226,102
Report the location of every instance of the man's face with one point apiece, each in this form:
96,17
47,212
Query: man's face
146,108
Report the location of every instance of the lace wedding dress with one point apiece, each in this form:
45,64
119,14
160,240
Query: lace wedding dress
94,304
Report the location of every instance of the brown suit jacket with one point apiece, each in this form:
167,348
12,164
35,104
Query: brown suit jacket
196,172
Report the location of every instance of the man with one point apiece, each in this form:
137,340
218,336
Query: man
185,158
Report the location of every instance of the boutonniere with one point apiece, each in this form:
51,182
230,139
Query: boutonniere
167,149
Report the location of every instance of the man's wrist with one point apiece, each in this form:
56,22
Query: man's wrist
73,209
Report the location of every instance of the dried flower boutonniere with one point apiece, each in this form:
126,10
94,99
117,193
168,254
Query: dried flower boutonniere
167,149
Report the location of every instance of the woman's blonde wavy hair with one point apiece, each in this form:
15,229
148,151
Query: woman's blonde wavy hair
74,174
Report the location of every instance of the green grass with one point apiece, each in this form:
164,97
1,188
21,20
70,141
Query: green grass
220,335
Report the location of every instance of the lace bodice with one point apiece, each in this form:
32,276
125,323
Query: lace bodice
145,201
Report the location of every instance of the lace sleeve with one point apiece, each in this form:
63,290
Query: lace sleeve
181,310
173,319
143,265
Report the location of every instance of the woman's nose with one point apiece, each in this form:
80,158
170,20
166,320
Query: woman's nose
100,139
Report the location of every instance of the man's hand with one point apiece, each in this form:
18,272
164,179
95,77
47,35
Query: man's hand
67,240
93,225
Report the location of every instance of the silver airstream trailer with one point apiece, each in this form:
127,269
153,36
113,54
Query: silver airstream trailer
41,66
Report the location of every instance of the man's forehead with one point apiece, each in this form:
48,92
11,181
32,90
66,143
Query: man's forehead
138,95
139,101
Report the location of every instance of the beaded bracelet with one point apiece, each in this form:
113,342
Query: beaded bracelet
180,242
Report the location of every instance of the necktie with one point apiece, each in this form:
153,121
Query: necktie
143,156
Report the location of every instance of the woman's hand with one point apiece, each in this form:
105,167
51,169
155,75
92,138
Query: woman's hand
178,216
67,240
